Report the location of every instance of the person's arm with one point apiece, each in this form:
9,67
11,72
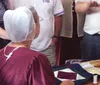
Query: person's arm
87,7
11,4
58,25
40,71
82,7
57,28
3,34
36,18
58,12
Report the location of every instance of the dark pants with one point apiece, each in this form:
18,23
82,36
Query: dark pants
2,41
70,48
90,46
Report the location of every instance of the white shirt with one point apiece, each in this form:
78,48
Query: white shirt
17,3
92,21
46,10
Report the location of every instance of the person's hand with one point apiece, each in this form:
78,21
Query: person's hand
3,34
67,82
93,7
94,4
55,40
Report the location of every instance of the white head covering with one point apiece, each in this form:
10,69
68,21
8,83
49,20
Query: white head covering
19,23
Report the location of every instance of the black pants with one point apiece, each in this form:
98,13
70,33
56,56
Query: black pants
3,42
70,48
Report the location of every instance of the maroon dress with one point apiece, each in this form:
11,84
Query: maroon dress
25,67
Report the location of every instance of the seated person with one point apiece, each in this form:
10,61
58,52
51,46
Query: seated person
20,65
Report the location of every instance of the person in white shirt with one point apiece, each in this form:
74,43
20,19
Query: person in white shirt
50,16
91,40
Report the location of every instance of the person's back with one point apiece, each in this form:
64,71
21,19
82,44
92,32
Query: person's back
25,67
20,65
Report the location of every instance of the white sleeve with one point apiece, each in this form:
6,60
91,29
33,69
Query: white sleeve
58,8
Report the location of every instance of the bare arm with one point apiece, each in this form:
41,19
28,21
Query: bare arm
82,7
58,25
57,30
3,34
36,18
87,7
11,4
